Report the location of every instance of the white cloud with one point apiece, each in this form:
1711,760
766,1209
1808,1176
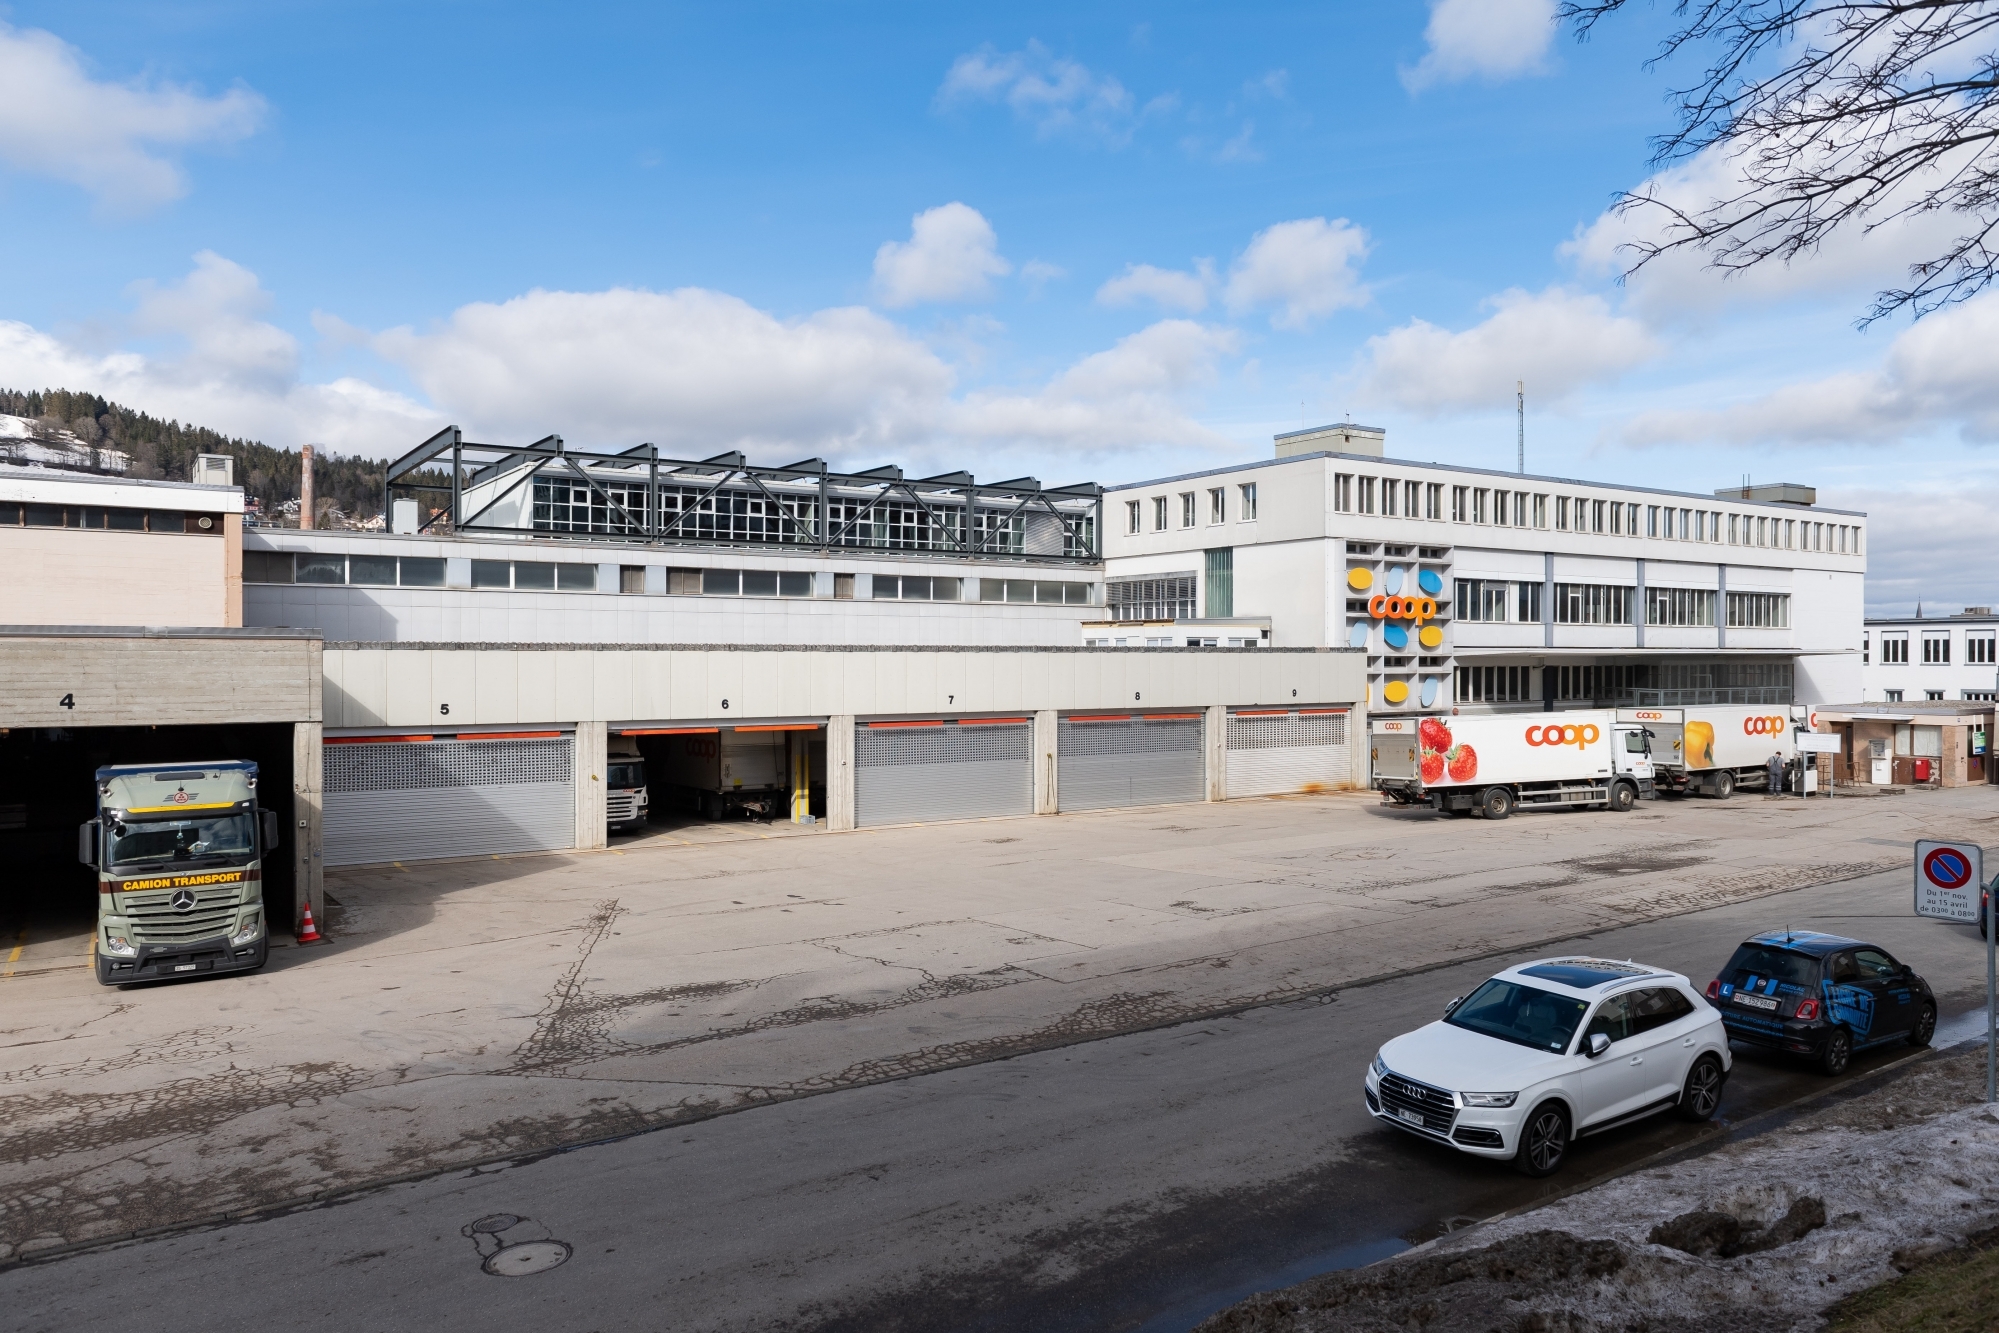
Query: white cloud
111,139
228,370
1169,289
1056,95
1483,39
1851,265
1941,373
1557,341
951,255
1306,268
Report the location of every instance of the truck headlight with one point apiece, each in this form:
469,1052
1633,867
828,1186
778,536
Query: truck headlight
116,944
249,930
1490,1098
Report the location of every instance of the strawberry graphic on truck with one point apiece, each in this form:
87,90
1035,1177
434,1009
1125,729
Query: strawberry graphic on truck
1489,763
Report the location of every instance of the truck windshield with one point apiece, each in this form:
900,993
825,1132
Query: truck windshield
628,775
148,842
1520,1014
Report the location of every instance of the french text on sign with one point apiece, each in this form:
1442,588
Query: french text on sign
1948,876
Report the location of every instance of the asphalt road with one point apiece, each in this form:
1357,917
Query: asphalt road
1136,1182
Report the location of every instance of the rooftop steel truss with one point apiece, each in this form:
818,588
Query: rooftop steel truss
661,501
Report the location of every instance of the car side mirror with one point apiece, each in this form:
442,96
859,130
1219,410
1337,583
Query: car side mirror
1598,1044
272,830
1452,1007
86,843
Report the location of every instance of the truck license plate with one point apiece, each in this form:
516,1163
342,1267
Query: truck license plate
1755,1001
184,967
1413,1117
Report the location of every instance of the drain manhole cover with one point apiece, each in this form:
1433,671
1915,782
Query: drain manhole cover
494,1224
527,1258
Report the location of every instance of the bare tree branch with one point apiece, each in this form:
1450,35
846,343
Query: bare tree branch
1836,116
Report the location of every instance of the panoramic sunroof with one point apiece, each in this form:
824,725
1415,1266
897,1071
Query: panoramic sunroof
1583,973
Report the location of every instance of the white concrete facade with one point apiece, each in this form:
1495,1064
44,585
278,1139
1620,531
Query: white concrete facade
625,593
1931,659
1549,590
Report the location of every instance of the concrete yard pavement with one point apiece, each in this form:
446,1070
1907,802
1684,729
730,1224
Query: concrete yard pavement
474,1010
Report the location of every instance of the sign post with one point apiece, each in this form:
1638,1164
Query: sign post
1949,878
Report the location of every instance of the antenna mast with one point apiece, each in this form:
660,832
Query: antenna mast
1520,423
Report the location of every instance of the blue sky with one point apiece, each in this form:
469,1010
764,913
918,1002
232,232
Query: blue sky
1016,239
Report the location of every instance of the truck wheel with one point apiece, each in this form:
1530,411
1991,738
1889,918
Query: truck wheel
1623,796
1497,802
1724,785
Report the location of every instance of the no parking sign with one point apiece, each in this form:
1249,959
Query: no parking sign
1948,876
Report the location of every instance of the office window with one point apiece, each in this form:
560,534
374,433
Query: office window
1790,534
1519,509
1160,597
631,578
1218,504
1856,541
1132,522
1342,493
1631,519
1482,600
1592,604
534,575
422,571
1894,650
1159,513
1186,509
1460,503
1864,645
1763,532
1540,511
1367,495
1978,650
1679,606
1616,519
1893,696
488,574
1733,534
1561,513
1686,518
1494,684
1936,649
729,583
1391,495
1527,603
1481,505
1221,583
1652,521
905,588
1934,696
1764,610
1433,500
1246,507
1596,515
373,570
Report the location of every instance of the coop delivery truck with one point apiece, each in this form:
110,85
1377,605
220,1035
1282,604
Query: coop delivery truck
179,852
1712,750
1492,763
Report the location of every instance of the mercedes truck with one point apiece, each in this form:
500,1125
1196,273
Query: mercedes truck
179,852
1493,764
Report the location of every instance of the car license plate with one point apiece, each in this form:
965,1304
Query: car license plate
1755,1001
1413,1117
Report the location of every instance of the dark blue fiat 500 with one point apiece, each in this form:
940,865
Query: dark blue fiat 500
1821,996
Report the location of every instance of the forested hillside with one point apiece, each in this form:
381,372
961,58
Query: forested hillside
167,448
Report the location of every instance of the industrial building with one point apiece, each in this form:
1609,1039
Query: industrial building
1934,659
1470,588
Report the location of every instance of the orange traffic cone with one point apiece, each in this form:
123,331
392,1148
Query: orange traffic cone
307,932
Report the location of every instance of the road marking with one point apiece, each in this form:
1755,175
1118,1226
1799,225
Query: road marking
20,943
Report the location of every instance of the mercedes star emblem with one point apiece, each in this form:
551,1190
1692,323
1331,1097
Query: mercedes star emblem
183,900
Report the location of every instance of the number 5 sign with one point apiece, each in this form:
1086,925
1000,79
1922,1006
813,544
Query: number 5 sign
1948,877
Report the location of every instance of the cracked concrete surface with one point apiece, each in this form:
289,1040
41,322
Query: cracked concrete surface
485,1008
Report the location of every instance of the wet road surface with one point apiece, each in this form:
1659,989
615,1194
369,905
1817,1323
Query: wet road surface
1138,1182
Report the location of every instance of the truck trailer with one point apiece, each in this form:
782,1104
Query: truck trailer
1491,764
1712,750
179,852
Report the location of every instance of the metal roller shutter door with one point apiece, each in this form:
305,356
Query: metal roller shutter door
1273,754
912,774
1101,765
413,800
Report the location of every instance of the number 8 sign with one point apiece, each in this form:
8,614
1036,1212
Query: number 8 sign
1948,877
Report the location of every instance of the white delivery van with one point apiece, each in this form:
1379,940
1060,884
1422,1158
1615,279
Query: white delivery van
1713,749
1490,764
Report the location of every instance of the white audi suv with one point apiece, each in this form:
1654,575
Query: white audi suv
1549,1051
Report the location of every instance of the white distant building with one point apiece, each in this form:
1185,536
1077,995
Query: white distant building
1931,659
1541,591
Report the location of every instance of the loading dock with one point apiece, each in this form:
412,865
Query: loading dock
1108,760
1279,751
471,793
915,770
82,698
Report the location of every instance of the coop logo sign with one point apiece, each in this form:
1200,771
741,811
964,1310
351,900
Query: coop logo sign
1764,726
1579,736
1414,609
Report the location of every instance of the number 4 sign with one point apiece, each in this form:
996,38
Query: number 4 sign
1948,877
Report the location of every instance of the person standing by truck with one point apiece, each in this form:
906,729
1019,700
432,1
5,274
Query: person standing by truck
1776,767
